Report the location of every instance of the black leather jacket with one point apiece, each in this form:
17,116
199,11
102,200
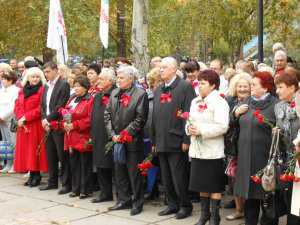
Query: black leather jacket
131,118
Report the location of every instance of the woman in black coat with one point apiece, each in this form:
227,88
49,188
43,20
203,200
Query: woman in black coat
102,161
254,145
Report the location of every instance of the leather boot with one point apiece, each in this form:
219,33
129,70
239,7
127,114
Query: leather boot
205,213
215,212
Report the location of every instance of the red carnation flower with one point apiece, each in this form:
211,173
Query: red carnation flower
125,100
165,97
125,137
222,95
202,106
195,84
105,100
284,177
256,179
293,104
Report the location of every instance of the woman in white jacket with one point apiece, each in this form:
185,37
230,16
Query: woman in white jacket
8,96
207,124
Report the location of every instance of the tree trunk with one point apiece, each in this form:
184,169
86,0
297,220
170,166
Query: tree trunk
139,37
121,28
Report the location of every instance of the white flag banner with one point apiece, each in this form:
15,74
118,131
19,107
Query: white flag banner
104,22
57,35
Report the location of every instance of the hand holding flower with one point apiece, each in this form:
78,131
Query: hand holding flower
193,130
68,127
242,109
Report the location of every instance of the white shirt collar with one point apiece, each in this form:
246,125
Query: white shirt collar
171,82
54,81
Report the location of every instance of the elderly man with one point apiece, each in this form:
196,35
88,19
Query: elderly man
217,66
14,64
280,62
102,162
127,112
169,138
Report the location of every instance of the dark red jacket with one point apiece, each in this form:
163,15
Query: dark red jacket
78,138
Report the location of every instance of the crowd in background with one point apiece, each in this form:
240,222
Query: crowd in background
188,127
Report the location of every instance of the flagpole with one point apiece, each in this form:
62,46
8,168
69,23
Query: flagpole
103,53
63,49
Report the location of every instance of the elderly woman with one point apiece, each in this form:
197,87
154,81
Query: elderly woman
8,95
254,144
127,112
76,124
239,90
102,162
30,154
207,124
4,67
289,124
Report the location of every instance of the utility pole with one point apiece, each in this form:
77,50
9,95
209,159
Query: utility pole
260,31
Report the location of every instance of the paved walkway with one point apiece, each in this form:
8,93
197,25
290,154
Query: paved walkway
21,205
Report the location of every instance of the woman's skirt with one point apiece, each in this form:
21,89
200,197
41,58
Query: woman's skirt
207,175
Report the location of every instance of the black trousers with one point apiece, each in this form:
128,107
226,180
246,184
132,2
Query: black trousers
174,170
55,154
291,219
104,176
252,210
129,180
81,169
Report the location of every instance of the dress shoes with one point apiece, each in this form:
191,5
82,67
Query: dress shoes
183,213
84,196
120,206
35,182
168,211
73,195
64,190
48,187
136,210
102,199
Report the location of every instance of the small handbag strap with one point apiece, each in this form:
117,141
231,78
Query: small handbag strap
274,145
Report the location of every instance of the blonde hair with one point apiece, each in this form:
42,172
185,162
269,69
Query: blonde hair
153,76
34,71
64,71
229,73
5,67
235,80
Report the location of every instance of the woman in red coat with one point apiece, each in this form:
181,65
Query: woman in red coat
30,152
76,123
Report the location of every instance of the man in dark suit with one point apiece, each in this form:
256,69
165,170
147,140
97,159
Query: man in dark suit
128,111
169,138
55,96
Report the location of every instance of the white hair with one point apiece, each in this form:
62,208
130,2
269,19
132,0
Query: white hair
34,71
29,58
278,46
127,71
5,67
280,53
202,65
235,80
262,67
109,73
169,61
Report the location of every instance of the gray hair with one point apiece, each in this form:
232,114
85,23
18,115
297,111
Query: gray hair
33,71
127,71
109,73
280,53
169,61
278,46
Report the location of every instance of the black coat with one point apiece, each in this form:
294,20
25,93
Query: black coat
168,131
60,96
98,133
254,145
131,118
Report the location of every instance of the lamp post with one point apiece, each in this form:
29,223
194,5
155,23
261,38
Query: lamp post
260,31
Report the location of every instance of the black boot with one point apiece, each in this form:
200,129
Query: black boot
205,213
36,179
29,181
215,212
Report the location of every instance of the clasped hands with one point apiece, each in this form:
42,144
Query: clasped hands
21,121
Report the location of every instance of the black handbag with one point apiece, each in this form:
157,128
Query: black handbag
13,125
231,141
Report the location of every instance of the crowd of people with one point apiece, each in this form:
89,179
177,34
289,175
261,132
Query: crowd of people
192,127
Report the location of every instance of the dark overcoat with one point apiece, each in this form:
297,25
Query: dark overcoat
254,145
98,132
168,131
